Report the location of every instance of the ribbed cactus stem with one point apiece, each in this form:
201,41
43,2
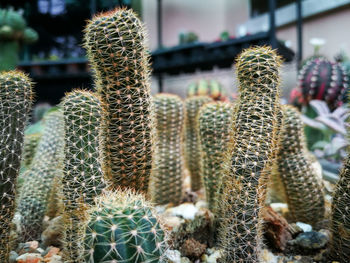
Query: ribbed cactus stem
16,98
251,154
168,166
215,131
115,44
192,151
83,178
122,227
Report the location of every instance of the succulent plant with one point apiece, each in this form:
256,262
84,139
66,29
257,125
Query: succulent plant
38,181
251,154
321,79
115,44
211,88
16,99
83,178
214,127
168,163
122,227
192,151
304,191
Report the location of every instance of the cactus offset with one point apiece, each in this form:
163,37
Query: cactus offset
122,227
168,166
39,178
251,154
83,178
115,43
192,151
214,127
16,98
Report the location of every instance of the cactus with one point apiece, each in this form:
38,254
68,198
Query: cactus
192,152
168,166
39,179
83,177
115,44
16,98
13,32
122,227
251,154
214,127
340,224
303,190
320,79
211,88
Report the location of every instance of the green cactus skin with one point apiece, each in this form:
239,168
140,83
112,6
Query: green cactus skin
304,192
168,166
122,227
115,43
251,154
16,98
214,127
39,179
192,151
340,226
83,178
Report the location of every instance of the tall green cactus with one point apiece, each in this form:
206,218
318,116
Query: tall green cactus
192,151
303,190
115,44
122,227
214,127
38,179
251,154
16,97
168,166
83,178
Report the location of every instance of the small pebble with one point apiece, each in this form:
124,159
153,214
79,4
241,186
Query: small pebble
304,227
174,256
29,258
13,257
310,240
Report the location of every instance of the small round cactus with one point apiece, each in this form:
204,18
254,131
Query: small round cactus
16,97
122,227
168,166
192,151
211,88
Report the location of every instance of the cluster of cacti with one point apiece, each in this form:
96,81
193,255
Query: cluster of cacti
168,164
115,44
122,227
13,32
251,154
320,79
211,88
304,192
214,127
15,105
192,151
39,179
83,178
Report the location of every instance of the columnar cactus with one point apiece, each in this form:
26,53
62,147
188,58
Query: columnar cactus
16,98
320,79
83,178
251,154
168,164
192,151
115,44
122,227
214,127
38,179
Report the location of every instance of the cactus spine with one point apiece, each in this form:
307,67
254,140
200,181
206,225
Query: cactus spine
251,154
115,43
16,98
214,127
83,177
122,227
38,180
303,190
167,169
192,151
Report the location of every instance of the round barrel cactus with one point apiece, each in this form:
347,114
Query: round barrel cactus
211,88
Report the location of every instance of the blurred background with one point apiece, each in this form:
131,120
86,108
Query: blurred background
189,40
